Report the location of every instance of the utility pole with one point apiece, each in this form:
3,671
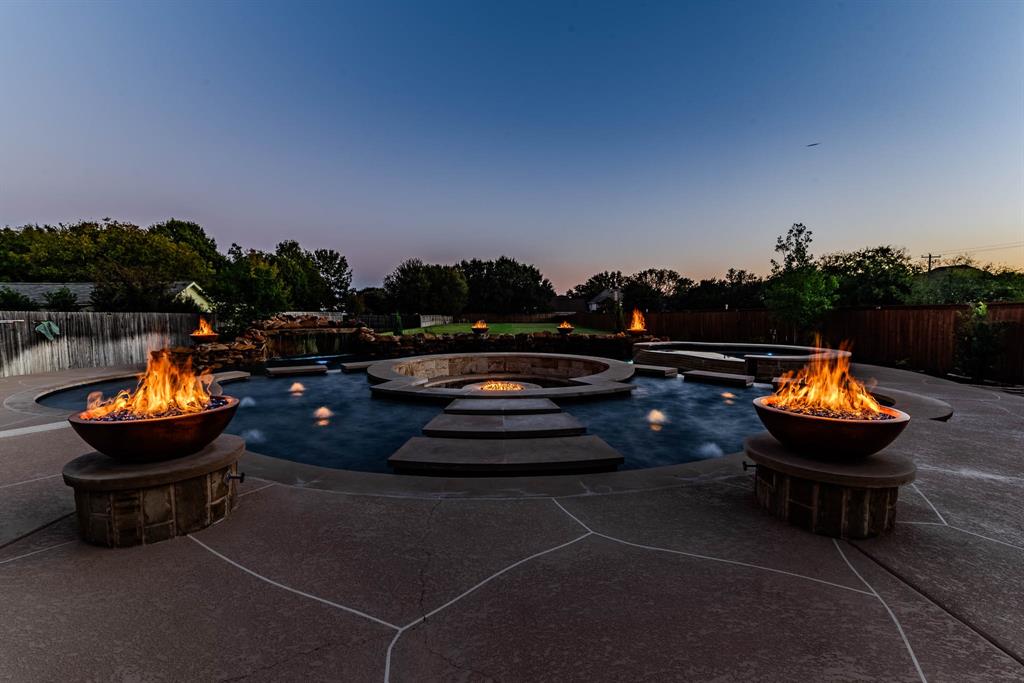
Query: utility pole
931,257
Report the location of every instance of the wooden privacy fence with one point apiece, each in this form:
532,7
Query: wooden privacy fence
86,340
916,337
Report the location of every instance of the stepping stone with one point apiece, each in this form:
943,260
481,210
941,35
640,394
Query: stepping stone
359,366
230,376
502,406
289,370
544,425
504,457
654,370
724,378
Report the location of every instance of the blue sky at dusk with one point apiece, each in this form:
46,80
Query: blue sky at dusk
579,136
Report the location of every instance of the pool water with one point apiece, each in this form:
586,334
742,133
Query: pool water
664,422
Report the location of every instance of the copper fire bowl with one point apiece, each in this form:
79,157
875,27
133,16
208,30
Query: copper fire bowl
637,333
157,438
478,331
565,331
829,438
204,338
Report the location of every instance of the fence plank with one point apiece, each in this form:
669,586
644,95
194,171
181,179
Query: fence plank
86,340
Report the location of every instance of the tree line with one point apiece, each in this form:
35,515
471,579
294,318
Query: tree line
133,269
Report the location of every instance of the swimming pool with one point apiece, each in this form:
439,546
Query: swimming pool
335,422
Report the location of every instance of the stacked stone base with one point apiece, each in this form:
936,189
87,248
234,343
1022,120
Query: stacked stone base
828,509
853,498
121,505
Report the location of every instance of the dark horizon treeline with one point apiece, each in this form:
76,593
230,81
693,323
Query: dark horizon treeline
133,269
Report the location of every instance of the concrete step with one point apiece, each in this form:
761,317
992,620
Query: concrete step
502,406
289,370
654,370
504,457
544,425
725,379
357,366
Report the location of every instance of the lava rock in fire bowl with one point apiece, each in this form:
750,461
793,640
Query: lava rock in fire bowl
831,438
156,438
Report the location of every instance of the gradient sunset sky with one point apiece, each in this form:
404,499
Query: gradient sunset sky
578,136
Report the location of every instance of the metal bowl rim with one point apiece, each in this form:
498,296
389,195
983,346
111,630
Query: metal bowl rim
897,414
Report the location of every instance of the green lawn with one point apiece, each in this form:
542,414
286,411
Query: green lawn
499,328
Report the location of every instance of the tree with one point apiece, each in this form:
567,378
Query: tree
406,284
962,281
738,289
872,276
416,287
62,299
798,293
650,289
134,270
795,249
248,288
597,283
506,286
370,300
192,235
336,274
15,301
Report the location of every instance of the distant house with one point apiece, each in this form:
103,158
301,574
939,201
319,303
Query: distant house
37,291
604,299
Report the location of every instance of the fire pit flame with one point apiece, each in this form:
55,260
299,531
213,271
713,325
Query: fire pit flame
564,325
637,323
204,328
479,325
166,389
495,385
825,388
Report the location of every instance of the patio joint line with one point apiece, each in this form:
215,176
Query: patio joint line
265,486
711,558
34,429
947,524
36,552
28,481
420,620
892,615
296,591
932,506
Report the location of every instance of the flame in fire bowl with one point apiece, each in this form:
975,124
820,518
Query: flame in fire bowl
156,438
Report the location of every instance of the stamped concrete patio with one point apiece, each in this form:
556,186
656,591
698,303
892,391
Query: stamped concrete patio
662,574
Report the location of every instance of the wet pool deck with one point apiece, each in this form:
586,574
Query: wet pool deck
662,574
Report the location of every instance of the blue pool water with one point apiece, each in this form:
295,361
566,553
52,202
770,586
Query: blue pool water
664,422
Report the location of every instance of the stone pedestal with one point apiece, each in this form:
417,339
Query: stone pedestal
124,504
841,498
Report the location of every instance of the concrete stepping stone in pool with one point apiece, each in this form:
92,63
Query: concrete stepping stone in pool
543,425
289,370
654,370
502,406
724,378
425,455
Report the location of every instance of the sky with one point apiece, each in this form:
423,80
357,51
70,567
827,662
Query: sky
579,136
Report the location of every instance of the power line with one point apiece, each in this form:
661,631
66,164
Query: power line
987,247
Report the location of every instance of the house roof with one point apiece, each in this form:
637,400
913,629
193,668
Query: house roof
82,290
37,290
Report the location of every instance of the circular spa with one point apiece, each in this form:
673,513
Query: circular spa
338,420
764,362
